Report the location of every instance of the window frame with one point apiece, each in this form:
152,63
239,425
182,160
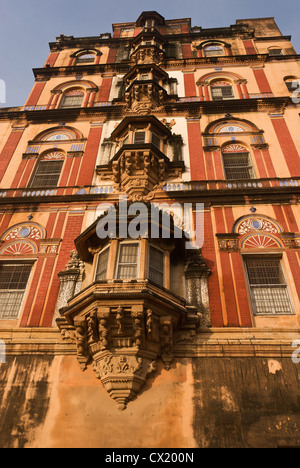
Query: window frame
221,48
19,263
284,285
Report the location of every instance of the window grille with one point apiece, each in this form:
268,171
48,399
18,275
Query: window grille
238,166
268,287
156,266
102,265
128,261
221,93
13,283
47,174
71,101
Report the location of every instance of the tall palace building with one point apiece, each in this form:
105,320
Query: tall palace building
185,335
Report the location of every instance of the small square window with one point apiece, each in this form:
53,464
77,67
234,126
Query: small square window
139,137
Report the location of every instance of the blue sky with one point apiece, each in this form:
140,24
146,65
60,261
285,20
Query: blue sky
27,26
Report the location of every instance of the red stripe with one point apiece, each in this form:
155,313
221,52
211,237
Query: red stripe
196,151
287,145
90,157
9,150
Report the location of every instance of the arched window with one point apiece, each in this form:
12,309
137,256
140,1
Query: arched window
213,50
72,99
237,163
48,171
221,91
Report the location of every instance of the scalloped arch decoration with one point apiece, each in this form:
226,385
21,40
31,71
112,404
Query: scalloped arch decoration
24,231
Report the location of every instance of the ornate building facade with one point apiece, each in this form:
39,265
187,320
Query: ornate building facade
165,338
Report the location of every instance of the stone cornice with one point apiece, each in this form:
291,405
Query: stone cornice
213,342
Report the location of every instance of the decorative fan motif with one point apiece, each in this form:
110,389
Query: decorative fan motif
235,149
19,248
260,241
75,92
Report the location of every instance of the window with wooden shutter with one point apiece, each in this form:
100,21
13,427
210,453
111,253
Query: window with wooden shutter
13,282
268,288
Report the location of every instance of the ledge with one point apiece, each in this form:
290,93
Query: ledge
214,342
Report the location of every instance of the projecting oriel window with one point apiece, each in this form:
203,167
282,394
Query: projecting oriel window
13,282
47,174
127,267
268,288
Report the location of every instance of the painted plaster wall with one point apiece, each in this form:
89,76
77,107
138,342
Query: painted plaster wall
48,402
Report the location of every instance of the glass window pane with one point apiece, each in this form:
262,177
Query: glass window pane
71,101
128,261
156,266
102,265
155,140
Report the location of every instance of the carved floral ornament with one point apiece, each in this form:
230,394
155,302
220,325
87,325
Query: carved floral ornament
257,232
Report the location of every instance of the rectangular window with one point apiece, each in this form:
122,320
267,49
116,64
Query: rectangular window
139,137
71,101
238,166
128,261
269,292
47,174
102,265
275,52
221,93
13,283
155,140
156,266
